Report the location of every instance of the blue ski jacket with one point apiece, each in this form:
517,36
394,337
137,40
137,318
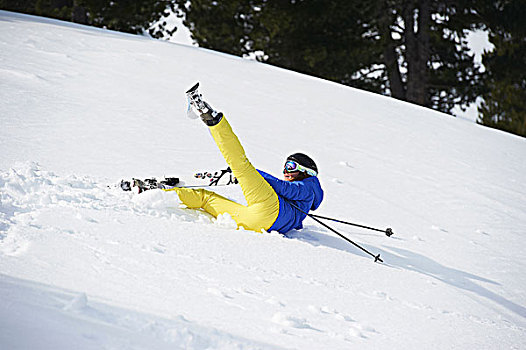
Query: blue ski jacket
306,195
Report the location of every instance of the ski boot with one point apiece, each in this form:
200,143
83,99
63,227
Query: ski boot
208,115
139,186
134,185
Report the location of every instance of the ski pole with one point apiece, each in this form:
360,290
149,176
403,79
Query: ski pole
376,257
388,232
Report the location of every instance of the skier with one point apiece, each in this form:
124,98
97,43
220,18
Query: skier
270,201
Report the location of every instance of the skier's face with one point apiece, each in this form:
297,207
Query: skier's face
295,176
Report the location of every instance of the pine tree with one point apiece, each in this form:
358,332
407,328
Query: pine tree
504,105
315,37
426,54
412,50
131,16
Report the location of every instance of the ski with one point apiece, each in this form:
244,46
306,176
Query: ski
223,177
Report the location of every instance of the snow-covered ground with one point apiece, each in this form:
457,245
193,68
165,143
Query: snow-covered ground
87,266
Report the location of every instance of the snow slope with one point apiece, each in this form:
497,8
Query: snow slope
87,265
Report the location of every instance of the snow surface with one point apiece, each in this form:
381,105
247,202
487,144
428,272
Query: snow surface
86,266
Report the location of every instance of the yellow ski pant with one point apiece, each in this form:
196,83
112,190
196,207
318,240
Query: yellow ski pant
262,201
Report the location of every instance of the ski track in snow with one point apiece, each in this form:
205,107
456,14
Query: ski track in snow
28,193
102,325
31,200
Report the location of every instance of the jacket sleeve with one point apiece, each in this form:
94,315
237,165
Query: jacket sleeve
296,191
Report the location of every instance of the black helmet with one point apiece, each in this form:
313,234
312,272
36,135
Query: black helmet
303,160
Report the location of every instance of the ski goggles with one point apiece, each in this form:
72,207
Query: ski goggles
292,166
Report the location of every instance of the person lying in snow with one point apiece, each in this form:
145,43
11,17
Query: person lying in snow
271,201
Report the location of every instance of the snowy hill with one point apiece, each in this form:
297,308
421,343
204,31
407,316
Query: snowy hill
86,265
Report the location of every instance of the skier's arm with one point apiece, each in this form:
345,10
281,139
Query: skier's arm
296,190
